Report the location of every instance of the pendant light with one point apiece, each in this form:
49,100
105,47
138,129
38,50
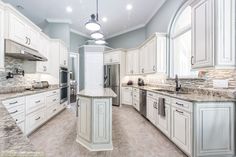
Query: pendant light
93,24
100,42
97,35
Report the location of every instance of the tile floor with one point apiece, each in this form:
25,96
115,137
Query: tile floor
133,136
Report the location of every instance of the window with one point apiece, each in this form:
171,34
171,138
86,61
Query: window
180,50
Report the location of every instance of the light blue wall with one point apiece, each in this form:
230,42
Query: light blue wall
76,41
163,18
159,23
58,31
128,40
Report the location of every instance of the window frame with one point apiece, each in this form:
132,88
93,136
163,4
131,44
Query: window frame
173,35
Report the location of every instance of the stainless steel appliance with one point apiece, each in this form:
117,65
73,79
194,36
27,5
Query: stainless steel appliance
112,80
143,105
63,84
16,50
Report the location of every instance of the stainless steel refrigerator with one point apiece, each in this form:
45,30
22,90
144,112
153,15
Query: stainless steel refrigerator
112,80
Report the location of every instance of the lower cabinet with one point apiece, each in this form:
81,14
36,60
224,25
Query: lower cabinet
136,99
163,122
127,95
151,108
181,129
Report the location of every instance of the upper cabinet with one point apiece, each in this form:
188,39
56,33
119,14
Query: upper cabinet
21,31
149,58
213,33
1,38
113,57
132,62
63,55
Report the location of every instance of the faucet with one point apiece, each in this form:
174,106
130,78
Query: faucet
177,86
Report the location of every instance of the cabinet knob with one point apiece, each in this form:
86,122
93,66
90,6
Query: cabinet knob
192,63
64,62
154,68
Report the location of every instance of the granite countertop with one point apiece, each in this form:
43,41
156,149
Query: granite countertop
98,93
12,141
190,97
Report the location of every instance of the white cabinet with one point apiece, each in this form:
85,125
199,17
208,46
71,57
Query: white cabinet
152,108
132,62
20,31
181,129
202,34
213,33
54,59
161,64
214,129
136,99
1,38
63,54
127,95
113,57
151,52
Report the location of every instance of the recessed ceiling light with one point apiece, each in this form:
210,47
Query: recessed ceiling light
69,9
104,19
129,7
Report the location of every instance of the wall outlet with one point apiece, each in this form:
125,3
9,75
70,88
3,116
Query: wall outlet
220,83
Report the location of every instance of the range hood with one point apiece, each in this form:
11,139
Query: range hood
19,51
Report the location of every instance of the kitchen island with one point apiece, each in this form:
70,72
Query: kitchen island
94,129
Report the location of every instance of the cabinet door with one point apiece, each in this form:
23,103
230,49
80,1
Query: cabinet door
127,95
17,30
150,66
143,59
107,58
161,54
43,67
115,57
129,63
152,109
102,123
214,132
33,37
63,55
164,122
84,120
135,59
181,129
202,34
54,59
1,39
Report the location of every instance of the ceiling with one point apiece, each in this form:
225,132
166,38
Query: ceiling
119,20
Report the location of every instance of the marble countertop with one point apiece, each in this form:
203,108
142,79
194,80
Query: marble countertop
98,93
12,141
190,97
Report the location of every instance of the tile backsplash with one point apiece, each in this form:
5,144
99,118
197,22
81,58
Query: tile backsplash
27,80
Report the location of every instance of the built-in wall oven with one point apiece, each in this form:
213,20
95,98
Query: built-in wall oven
63,84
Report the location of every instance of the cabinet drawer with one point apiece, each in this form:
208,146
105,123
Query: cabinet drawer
136,104
34,120
16,110
187,106
152,95
54,92
115,57
167,99
34,103
14,102
135,90
53,99
136,95
19,117
51,111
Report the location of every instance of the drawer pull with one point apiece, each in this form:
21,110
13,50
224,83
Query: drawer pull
37,101
179,111
150,94
179,104
16,120
54,110
14,112
55,92
54,100
11,103
38,118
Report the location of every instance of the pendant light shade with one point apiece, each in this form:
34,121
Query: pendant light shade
100,42
93,24
97,35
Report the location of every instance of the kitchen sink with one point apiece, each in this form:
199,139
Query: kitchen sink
170,91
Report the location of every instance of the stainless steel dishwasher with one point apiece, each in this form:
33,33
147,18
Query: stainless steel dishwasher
143,98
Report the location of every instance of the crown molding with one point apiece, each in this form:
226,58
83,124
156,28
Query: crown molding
126,31
52,20
79,33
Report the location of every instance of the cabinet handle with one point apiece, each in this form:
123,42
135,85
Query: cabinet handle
179,104
54,110
64,62
54,92
54,100
38,118
14,112
150,94
26,42
154,68
37,101
16,120
192,60
29,41
11,103
179,111
142,70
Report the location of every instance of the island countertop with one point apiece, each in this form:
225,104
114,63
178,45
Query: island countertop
98,93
